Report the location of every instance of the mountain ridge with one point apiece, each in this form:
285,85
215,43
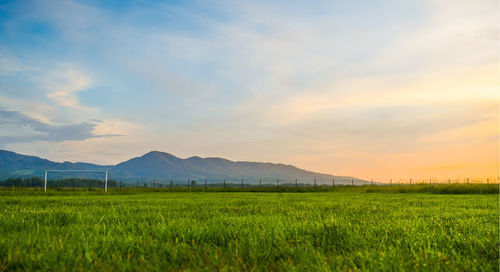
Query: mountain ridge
157,165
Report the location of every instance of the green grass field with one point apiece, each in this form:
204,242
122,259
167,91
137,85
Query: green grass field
67,231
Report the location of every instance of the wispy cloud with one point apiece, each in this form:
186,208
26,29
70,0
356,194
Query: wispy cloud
62,86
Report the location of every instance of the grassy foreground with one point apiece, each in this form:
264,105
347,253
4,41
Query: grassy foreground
248,231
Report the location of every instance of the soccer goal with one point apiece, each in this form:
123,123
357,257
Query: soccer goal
92,171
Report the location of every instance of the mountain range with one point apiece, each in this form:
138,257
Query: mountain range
163,166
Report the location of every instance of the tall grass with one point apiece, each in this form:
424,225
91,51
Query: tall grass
68,231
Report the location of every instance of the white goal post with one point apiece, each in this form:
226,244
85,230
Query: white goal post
93,171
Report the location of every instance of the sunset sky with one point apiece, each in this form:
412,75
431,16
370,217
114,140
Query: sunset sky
383,89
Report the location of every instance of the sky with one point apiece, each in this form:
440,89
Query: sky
373,89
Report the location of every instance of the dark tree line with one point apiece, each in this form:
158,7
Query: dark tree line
69,182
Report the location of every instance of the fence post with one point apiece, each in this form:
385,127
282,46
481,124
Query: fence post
242,184
278,183
120,185
296,184
171,183
314,183
45,183
106,182
224,184
410,182
352,182
154,184
189,188
137,185
206,186
333,182
372,181
260,183
391,182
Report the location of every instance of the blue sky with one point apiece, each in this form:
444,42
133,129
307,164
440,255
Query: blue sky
368,88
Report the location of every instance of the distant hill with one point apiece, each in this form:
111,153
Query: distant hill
163,167
16,165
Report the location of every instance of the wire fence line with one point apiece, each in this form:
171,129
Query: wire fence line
229,184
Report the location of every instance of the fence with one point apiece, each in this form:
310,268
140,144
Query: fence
229,184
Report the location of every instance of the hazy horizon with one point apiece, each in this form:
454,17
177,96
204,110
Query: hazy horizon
379,89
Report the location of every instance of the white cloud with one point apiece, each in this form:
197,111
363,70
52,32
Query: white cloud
63,86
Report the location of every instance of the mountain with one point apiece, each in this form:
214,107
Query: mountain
17,165
162,166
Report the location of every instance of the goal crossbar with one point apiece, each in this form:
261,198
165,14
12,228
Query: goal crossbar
93,171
